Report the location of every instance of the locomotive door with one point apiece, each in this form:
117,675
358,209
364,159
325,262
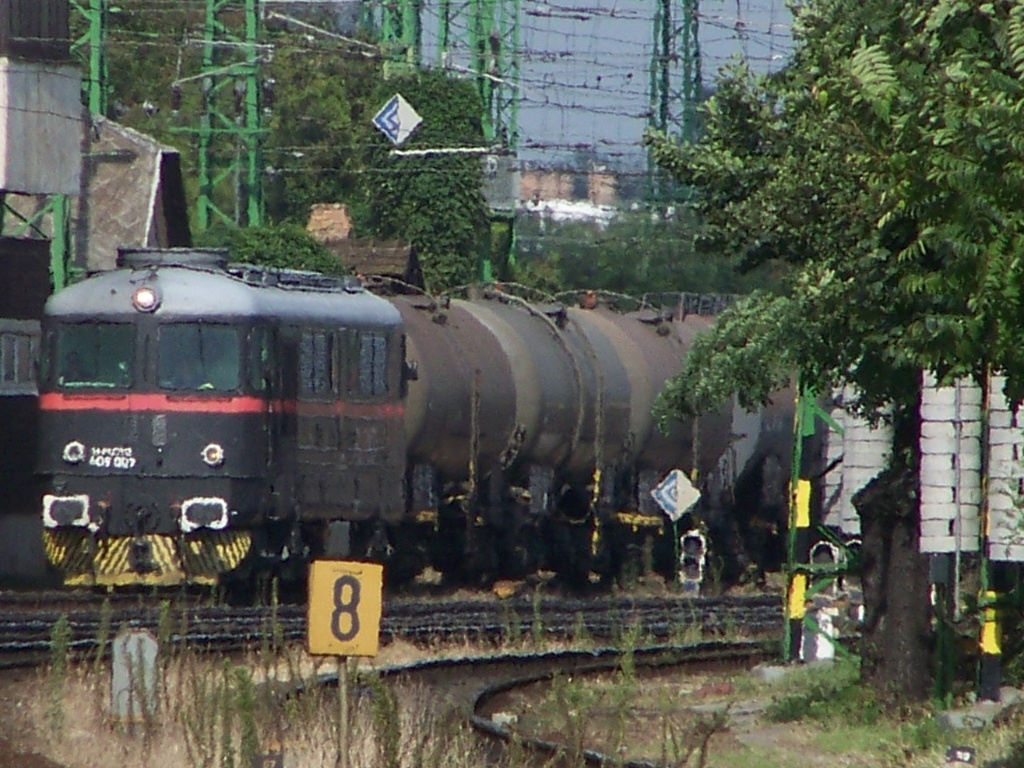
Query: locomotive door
283,395
317,424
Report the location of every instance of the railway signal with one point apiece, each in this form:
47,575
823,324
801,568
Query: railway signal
676,494
397,119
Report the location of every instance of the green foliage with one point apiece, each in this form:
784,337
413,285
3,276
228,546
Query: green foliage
60,648
634,254
432,201
245,700
318,127
286,246
885,167
103,634
757,333
830,695
537,624
387,726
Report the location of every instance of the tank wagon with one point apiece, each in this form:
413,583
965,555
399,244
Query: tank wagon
201,420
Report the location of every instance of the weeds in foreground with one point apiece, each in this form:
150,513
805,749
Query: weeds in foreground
537,624
60,647
682,741
512,630
832,694
581,636
214,712
687,630
387,727
103,634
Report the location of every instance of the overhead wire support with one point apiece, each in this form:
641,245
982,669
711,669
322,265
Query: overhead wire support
95,12
675,80
484,35
397,26
230,144
482,38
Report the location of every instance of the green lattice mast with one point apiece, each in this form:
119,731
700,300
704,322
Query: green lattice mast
230,130
675,86
397,25
487,31
486,34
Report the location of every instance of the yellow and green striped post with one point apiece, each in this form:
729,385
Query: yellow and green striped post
991,649
799,523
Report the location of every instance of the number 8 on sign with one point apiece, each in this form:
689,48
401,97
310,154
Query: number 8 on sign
344,608
345,619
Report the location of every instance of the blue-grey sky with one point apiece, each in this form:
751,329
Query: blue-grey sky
585,67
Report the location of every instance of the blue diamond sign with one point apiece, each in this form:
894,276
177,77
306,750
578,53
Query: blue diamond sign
397,119
675,494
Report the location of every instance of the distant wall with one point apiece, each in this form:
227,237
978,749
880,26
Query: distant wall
599,187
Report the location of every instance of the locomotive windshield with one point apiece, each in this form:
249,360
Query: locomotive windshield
94,355
198,357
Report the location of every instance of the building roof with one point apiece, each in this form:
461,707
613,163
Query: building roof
387,258
331,224
132,195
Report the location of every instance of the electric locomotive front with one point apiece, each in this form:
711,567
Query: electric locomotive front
153,409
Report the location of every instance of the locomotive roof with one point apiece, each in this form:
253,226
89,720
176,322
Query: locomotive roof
208,289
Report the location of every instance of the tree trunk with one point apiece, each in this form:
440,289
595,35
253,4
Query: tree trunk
896,658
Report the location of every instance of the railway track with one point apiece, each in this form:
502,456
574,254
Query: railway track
479,686
27,633
718,656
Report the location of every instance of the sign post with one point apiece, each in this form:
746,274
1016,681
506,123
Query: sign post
397,119
676,496
343,621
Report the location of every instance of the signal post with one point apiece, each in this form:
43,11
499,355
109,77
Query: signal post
344,620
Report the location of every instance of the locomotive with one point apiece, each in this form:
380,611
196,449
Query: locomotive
203,421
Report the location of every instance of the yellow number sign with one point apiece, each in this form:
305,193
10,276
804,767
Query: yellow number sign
344,607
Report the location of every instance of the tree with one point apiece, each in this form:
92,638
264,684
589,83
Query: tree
884,167
285,246
318,125
635,253
434,200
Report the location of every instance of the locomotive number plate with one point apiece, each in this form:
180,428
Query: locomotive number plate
344,607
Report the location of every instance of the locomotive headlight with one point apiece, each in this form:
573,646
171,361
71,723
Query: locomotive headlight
74,452
203,512
61,511
145,299
213,455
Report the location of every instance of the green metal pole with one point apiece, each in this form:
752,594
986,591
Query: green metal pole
445,32
692,85
676,51
60,245
205,201
799,532
253,118
98,76
401,36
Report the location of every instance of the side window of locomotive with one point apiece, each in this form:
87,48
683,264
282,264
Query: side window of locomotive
94,355
315,374
198,357
261,363
373,364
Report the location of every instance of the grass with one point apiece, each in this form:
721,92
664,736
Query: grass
220,711
217,711
816,715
